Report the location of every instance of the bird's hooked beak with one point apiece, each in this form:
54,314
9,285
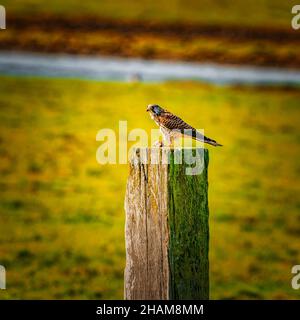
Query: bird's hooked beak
148,108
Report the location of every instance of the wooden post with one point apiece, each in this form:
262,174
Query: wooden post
166,229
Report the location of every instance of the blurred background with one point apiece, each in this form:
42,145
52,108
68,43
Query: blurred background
70,68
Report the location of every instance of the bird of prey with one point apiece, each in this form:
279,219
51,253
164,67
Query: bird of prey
173,127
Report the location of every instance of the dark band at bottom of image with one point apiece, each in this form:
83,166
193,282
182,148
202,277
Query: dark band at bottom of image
93,309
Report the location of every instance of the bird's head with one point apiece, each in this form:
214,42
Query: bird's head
155,109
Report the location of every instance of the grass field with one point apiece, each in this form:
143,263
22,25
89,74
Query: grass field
234,12
61,213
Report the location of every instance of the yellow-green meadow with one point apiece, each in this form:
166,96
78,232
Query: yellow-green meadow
61,213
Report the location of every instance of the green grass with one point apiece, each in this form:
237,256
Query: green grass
61,213
237,12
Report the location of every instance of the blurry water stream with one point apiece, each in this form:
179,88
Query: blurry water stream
123,69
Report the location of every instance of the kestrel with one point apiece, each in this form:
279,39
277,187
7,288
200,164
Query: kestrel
172,127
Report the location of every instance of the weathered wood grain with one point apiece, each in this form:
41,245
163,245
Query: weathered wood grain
166,228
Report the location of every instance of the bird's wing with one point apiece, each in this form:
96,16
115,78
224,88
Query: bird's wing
172,122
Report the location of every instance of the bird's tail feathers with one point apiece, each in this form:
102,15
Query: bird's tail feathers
207,140
200,137
212,142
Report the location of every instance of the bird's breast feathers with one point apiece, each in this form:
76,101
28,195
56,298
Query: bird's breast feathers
155,118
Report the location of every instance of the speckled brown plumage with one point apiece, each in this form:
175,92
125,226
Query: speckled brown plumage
172,122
